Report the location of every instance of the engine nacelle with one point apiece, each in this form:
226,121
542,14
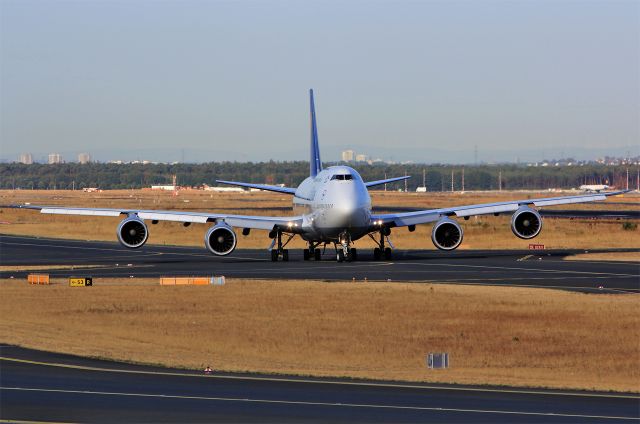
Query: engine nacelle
526,223
446,234
132,232
220,239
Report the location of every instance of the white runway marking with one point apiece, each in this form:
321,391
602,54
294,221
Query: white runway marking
310,403
524,258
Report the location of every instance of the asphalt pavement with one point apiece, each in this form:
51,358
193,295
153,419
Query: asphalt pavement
41,386
482,267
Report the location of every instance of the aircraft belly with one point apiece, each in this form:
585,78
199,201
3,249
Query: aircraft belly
326,227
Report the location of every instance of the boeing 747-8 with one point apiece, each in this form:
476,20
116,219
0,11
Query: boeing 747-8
333,208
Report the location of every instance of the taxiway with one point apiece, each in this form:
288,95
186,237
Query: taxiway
515,268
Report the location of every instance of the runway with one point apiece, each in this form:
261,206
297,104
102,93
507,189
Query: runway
41,386
516,268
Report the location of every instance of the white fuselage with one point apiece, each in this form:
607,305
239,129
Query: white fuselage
334,201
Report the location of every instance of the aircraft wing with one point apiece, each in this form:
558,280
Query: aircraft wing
242,221
388,180
265,187
431,215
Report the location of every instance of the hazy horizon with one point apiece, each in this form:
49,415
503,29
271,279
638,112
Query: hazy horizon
420,81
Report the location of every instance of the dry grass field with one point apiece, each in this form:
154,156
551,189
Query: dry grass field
487,232
610,256
494,335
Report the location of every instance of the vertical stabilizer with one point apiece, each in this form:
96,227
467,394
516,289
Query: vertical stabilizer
315,165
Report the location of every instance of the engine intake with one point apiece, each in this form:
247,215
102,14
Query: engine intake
446,234
526,223
220,240
132,232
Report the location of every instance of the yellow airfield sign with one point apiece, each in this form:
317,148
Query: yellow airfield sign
80,281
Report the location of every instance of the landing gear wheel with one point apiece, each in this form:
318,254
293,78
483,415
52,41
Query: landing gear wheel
340,256
377,253
387,253
306,254
354,254
285,255
274,255
316,254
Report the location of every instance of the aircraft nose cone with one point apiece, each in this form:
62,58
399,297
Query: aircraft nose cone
347,206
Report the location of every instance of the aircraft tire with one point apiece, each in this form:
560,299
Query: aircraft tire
377,254
274,255
306,254
317,254
354,254
387,253
340,256
285,255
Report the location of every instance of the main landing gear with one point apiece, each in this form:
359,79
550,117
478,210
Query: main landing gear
280,252
313,252
382,251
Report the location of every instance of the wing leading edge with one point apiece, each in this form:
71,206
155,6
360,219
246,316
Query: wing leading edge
388,180
265,187
432,215
241,221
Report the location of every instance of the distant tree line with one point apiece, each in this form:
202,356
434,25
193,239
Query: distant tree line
438,177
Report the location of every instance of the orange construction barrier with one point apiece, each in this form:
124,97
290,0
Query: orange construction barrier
180,281
38,279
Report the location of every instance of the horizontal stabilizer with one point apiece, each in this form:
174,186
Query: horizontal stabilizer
388,180
265,187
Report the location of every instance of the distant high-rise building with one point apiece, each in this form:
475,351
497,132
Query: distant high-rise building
55,158
26,158
84,158
348,155
361,158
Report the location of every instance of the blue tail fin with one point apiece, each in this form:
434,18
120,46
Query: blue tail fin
315,165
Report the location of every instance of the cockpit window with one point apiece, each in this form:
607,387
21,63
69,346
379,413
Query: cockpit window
342,177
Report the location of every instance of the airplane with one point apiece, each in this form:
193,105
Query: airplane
593,188
333,207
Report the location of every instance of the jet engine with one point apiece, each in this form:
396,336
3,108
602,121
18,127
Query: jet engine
526,223
446,234
220,239
132,232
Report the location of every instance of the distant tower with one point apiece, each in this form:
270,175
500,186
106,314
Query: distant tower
452,181
175,184
55,158
84,158
405,182
26,158
627,178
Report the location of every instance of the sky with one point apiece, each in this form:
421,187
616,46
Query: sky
426,81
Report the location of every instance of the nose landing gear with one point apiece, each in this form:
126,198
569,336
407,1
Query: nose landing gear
344,251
